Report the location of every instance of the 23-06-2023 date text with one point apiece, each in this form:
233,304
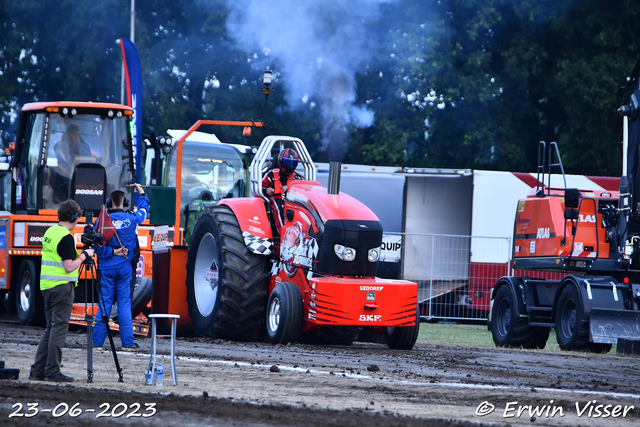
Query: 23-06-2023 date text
134,410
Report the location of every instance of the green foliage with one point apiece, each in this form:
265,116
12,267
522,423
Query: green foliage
453,83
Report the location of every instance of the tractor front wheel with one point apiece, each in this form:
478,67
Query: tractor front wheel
284,314
404,337
226,283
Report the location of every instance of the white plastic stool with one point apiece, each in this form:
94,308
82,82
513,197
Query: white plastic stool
152,360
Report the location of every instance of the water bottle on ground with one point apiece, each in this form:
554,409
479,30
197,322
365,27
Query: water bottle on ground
160,375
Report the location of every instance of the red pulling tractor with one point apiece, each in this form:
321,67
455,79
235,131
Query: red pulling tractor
316,283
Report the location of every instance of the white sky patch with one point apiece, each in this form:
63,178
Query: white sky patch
213,82
176,72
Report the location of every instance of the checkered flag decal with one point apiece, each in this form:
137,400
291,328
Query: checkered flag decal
257,245
314,249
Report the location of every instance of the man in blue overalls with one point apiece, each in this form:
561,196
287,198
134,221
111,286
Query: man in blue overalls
114,263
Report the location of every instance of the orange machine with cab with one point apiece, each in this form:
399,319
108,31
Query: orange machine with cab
591,236
63,150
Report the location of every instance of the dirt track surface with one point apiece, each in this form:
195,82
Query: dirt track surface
224,383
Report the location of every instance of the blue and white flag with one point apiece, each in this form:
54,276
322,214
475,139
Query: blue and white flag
133,83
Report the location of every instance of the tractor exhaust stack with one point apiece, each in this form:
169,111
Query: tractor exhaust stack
333,186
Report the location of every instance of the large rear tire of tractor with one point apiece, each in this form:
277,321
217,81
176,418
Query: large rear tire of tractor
402,338
284,314
226,283
29,300
572,333
508,330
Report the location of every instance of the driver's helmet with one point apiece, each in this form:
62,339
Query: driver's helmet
288,160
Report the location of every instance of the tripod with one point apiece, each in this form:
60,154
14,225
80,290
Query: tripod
88,266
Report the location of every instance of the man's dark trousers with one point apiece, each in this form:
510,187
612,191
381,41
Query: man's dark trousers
58,303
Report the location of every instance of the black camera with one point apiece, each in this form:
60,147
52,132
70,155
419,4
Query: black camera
90,238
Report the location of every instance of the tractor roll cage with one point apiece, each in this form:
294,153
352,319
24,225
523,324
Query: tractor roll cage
257,168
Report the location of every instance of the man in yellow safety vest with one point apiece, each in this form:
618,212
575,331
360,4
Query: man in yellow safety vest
58,278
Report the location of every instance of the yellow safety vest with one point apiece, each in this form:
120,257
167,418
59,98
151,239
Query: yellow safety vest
53,273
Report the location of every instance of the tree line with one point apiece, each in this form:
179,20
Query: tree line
450,83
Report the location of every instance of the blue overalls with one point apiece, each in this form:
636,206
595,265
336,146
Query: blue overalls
116,272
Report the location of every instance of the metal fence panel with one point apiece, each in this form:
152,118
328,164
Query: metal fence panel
455,274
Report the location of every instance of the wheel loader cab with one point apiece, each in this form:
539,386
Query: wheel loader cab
211,171
54,138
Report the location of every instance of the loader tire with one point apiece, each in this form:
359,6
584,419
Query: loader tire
226,283
511,331
571,332
284,314
29,299
402,338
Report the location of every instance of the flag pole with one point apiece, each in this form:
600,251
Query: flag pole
102,213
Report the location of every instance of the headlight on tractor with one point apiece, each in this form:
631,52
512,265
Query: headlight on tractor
344,253
373,255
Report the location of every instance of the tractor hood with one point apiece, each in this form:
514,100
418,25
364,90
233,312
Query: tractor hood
338,219
329,206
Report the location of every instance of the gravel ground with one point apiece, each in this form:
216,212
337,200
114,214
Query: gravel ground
224,383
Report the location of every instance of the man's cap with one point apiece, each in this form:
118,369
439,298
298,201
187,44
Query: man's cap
117,191
72,128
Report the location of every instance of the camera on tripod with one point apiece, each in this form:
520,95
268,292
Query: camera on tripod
90,238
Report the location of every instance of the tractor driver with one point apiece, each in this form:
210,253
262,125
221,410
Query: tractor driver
70,146
276,183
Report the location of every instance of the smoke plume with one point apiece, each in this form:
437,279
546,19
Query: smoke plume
318,47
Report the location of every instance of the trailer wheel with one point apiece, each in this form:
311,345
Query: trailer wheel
284,314
402,338
511,331
572,333
226,283
29,300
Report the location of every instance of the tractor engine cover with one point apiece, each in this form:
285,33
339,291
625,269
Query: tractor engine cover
359,235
